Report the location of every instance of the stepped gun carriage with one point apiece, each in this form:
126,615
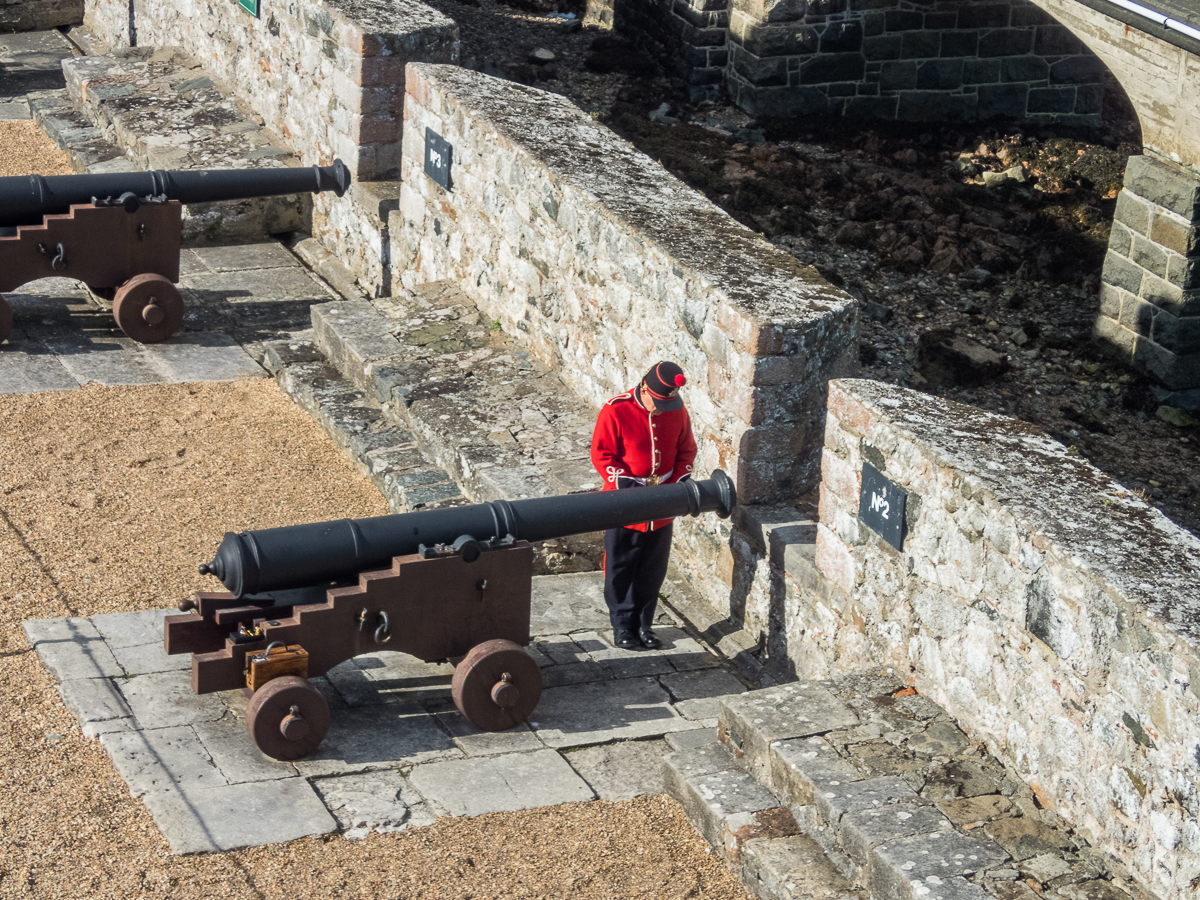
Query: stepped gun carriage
121,234
443,584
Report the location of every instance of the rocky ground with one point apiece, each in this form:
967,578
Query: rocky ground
976,249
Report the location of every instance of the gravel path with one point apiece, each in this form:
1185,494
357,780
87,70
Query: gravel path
108,498
27,149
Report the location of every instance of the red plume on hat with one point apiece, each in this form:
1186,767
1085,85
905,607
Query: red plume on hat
663,381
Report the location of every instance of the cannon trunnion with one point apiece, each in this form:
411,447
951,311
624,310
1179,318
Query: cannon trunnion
465,597
121,234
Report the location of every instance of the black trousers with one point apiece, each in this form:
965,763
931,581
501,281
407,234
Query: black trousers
635,566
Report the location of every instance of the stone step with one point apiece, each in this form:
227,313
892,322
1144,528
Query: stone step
902,803
489,413
164,111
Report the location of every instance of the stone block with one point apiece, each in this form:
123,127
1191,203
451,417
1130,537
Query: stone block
1173,371
1057,40
228,817
1111,299
793,868
752,722
759,71
582,714
622,770
1175,234
861,831
1110,331
903,20
1179,335
898,76
933,106
1005,42
1087,69
959,43
1165,184
382,802
931,860
709,800
873,107
920,44
842,37
883,46
1122,273
1004,100
1183,273
939,74
1089,99
1134,213
798,770
1167,296
1023,68
1120,238
832,67
982,71
1051,100
983,15
1149,255
473,787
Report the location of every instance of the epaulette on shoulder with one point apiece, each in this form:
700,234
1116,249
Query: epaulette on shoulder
628,395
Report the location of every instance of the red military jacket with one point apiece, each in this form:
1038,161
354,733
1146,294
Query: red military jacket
629,445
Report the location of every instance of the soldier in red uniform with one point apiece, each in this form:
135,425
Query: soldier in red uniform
642,437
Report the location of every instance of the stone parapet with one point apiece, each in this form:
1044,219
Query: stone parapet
1052,613
326,76
1150,287
39,15
601,263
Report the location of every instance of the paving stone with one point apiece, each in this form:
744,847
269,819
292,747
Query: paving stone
575,673
709,799
474,742
701,759
27,366
473,787
363,739
932,860
622,770
690,740
568,603
165,699
202,357
862,830
161,759
232,751
70,648
697,694
241,257
801,769
942,738
132,629
14,109
253,286
974,811
793,868
582,714
1023,838
226,817
755,720
93,700
834,801
103,359
150,658
399,676
377,801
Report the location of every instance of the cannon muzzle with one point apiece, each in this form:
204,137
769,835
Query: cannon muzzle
25,199
254,562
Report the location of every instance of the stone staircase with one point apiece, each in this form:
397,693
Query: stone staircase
861,789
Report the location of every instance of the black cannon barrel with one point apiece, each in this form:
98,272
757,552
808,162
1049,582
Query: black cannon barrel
25,199
253,562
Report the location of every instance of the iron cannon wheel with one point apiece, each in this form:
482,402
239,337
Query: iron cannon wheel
287,718
6,320
148,308
497,685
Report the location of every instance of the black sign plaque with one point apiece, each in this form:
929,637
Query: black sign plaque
437,158
881,506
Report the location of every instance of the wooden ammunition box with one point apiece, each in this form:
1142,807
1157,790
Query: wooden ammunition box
280,661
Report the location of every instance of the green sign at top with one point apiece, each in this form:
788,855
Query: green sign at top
250,6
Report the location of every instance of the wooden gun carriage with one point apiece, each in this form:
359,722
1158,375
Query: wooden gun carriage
446,584
121,234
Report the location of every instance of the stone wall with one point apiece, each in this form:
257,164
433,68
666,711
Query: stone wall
1052,613
911,60
1150,289
602,263
39,15
692,35
327,77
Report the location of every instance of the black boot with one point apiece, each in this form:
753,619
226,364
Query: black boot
648,639
626,639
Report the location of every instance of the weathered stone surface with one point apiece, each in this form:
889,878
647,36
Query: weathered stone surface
375,738
581,714
161,760
623,770
472,787
70,648
709,799
379,801
225,817
793,868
